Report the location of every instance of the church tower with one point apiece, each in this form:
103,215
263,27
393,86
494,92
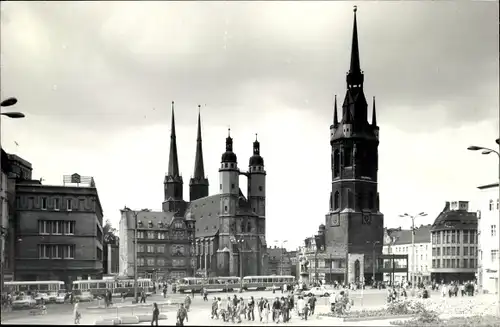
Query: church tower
354,220
257,181
198,185
173,184
229,180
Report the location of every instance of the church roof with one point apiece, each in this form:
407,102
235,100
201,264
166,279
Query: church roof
206,213
403,236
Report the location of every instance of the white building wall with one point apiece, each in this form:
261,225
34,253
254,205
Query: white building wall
423,259
126,246
487,206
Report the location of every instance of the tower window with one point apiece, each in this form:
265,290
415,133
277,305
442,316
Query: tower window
336,200
260,188
225,208
232,186
347,157
336,163
220,186
225,165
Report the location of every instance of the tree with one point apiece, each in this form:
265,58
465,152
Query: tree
109,233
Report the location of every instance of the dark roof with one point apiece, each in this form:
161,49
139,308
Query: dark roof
454,219
403,236
206,213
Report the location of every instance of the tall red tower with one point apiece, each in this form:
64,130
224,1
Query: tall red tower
354,221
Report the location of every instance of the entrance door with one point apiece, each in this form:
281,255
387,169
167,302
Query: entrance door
357,271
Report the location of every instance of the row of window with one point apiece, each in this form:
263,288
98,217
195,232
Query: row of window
151,248
493,230
56,251
492,205
56,204
177,224
494,255
154,235
453,236
369,204
455,251
454,263
404,249
56,227
142,262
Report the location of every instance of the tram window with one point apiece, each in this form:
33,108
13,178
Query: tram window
75,286
43,287
101,285
92,285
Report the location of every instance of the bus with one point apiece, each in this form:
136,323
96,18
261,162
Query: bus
98,287
227,284
265,282
42,286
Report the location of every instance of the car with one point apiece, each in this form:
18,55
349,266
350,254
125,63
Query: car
52,297
319,291
23,302
41,296
60,298
85,297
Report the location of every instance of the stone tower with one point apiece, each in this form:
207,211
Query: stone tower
354,221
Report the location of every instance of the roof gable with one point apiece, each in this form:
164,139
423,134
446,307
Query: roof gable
205,211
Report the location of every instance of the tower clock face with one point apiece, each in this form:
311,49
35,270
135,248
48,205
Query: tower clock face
335,220
367,219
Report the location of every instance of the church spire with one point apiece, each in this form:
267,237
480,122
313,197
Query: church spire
173,160
355,75
374,114
335,115
199,170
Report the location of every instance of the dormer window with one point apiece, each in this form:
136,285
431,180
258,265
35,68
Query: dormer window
150,224
160,225
139,223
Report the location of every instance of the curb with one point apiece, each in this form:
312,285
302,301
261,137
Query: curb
128,320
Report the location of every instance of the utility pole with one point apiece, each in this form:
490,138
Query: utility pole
373,258
331,263
135,255
412,272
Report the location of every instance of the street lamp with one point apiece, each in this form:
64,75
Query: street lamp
488,151
281,259
239,242
373,243
135,213
10,114
405,215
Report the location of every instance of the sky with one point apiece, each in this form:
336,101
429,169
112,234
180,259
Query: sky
96,80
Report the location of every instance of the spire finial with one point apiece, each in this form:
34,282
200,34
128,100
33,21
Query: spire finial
229,132
355,8
374,114
199,108
256,140
355,75
335,115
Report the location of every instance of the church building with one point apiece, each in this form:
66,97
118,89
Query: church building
229,227
354,224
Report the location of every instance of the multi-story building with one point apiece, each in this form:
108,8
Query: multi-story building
454,244
488,238
279,262
111,257
399,241
58,230
163,244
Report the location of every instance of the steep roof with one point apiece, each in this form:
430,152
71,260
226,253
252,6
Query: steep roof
206,213
158,219
455,220
403,236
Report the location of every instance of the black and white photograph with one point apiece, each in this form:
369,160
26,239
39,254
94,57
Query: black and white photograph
220,163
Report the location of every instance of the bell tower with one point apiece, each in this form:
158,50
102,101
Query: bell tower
354,221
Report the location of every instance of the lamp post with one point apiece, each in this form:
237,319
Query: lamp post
239,243
3,231
486,151
281,258
135,213
405,215
373,243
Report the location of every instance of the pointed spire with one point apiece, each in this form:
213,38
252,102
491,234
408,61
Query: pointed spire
173,161
355,66
355,75
256,146
229,141
374,114
335,115
199,169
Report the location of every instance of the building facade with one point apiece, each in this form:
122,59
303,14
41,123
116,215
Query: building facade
111,258
163,245
354,222
229,228
280,261
399,241
58,230
454,244
488,218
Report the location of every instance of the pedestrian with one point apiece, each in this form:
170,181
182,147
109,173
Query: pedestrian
76,313
192,292
214,309
312,302
187,302
181,315
164,291
300,306
266,310
251,308
143,296
205,294
276,310
156,314
260,306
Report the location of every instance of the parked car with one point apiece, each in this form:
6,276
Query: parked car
319,291
52,297
85,297
41,296
23,302
60,298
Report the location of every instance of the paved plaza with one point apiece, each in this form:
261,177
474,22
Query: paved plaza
200,310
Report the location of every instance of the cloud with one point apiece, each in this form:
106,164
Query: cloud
96,80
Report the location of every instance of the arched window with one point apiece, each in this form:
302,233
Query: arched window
371,200
350,199
336,163
491,205
347,157
336,200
